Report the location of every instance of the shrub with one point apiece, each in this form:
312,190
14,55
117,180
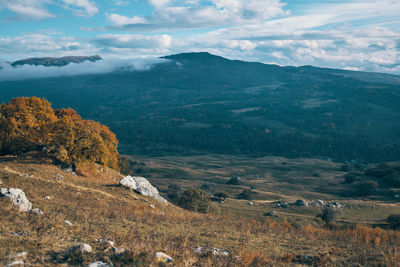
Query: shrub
350,178
174,192
394,220
328,215
378,172
234,180
366,188
223,195
392,180
195,199
125,165
30,124
247,194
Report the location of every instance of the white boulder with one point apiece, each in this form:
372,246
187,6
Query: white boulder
17,197
142,186
162,257
100,264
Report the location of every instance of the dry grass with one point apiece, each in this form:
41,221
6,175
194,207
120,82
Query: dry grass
100,209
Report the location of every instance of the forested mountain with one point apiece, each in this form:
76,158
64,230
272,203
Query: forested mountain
198,102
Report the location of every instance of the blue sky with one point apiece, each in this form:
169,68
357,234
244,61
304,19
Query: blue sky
355,35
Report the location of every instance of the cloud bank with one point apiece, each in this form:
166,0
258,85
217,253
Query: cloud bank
9,73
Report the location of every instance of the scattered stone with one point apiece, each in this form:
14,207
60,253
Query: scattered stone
28,175
271,214
68,223
320,202
300,203
280,204
58,177
152,206
100,264
162,257
251,203
214,251
69,169
81,249
37,211
221,201
18,234
105,241
19,256
16,263
234,180
47,198
142,186
118,251
334,205
17,197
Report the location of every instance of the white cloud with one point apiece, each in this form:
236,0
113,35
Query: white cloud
9,73
119,20
82,7
134,41
169,15
27,10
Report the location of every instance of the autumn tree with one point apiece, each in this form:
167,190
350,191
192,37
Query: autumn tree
30,124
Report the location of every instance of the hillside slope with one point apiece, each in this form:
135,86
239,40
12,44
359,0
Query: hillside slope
98,209
198,102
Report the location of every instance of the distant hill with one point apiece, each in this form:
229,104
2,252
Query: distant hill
55,61
201,103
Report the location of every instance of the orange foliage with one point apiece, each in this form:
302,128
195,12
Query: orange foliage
30,124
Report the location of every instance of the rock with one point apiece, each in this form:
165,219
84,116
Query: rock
320,202
214,251
17,197
142,186
37,211
152,206
68,223
17,259
280,204
58,177
334,205
19,256
221,201
300,203
162,257
100,264
69,169
251,203
16,263
81,249
271,214
47,198
118,251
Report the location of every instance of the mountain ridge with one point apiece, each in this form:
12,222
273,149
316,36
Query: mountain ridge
55,61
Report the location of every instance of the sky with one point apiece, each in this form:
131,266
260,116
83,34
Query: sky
353,35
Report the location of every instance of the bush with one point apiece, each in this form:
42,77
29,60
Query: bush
125,165
247,194
30,124
223,195
174,192
195,199
350,178
392,180
378,172
366,188
394,220
328,215
234,181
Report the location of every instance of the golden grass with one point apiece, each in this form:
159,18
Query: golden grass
99,209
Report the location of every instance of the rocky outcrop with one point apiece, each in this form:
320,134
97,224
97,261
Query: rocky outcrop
213,251
17,197
55,61
100,264
142,186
